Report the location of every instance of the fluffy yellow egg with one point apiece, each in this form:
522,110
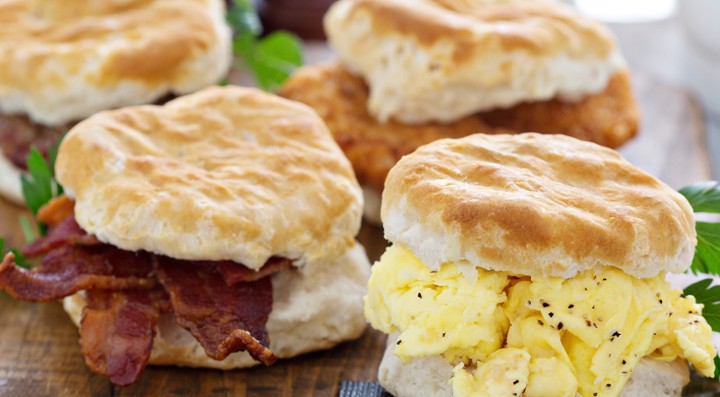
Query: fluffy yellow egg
508,334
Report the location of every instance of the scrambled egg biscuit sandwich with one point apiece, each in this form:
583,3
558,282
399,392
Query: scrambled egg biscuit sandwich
533,265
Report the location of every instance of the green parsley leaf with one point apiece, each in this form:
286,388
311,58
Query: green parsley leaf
242,18
271,59
703,196
28,229
710,298
274,59
20,259
39,185
707,251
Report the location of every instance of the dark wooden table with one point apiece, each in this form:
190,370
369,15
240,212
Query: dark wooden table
40,356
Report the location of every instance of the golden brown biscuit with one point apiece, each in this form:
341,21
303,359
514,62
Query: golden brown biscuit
62,61
432,60
222,174
537,205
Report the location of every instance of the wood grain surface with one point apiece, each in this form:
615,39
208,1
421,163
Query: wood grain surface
39,353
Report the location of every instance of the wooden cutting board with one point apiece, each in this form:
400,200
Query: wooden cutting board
40,356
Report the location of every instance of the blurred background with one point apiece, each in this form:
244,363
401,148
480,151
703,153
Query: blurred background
674,41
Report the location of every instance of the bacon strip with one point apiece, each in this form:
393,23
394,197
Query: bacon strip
223,319
117,331
234,273
69,269
56,210
66,232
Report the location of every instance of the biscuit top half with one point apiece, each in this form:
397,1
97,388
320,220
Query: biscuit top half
61,61
440,60
223,174
538,205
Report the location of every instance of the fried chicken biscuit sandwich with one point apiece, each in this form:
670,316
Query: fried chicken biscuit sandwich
221,222
533,265
411,72
62,61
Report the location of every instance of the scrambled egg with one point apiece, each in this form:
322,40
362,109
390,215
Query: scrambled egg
510,336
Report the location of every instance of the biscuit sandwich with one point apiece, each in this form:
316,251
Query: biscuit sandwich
411,72
61,62
534,265
221,222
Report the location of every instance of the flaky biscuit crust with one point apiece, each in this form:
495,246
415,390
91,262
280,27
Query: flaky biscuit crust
440,60
537,205
226,173
62,61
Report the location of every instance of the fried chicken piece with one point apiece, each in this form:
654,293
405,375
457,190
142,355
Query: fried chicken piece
372,147
609,118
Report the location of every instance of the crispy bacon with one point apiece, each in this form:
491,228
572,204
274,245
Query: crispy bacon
234,273
67,232
225,305
223,319
56,210
69,269
117,331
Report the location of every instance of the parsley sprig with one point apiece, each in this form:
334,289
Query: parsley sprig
704,197
39,187
270,59
19,257
708,296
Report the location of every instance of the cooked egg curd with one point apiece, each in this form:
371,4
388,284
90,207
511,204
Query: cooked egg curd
510,335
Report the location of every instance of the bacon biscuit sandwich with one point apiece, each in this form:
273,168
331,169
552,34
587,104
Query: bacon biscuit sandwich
221,222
